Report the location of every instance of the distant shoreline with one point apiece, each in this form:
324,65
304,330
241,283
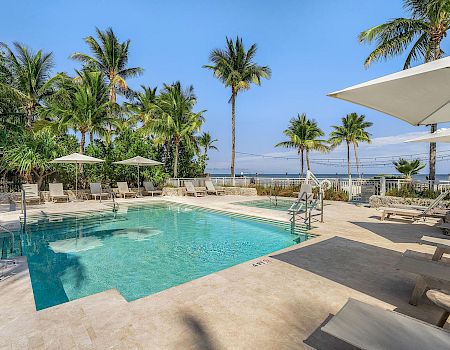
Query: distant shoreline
266,175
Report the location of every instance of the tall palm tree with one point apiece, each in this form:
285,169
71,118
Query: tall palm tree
421,34
352,131
29,78
359,125
173,119
110,57
304,135
235,68
143,104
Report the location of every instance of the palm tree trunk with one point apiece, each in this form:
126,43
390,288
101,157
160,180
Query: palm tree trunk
175,161
233,125
355,148
302,169
91,138
308,166
348,158
432,174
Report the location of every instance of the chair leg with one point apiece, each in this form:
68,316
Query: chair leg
419,289
443,319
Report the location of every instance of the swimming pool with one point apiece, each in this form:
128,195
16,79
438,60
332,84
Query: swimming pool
278,204
141,251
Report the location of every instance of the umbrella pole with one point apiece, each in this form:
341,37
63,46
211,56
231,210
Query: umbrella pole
139,188
76,181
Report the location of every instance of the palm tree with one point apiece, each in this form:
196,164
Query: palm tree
408,168
111,58
173,119
81,105
304,135
345,133
143,104
206,141
421,34
29,79
359,126
235,68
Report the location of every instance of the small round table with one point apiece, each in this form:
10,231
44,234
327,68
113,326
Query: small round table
442,299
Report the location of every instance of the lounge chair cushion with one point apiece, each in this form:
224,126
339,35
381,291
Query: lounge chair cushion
370,327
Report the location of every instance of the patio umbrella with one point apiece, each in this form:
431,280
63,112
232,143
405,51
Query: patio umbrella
419,95
441,135
77,158
139,161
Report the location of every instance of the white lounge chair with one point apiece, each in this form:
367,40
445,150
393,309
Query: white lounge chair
124,191
211,189
369,327
31,193
305,200
190,190
413,212
430,273
96,191
57,192
149,189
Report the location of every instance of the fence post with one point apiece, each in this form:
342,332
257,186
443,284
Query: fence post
350,190
382,186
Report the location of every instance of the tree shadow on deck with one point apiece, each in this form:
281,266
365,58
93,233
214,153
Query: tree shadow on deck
404,233
201,337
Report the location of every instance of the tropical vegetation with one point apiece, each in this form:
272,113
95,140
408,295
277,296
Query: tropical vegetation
408,168
44,115
235,68
420,36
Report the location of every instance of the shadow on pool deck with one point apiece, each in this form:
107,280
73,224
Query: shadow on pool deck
365,268
405,233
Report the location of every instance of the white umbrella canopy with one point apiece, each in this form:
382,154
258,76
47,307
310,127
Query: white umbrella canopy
419,95
441,135
76,158
139,161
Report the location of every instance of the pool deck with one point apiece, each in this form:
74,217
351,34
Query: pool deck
278,301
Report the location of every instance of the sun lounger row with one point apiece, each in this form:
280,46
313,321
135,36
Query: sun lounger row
210,189
56,191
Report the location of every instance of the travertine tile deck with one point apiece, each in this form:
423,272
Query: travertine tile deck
280,304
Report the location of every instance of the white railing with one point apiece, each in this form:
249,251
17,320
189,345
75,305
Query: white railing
356,188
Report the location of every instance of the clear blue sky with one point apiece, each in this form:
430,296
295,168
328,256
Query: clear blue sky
311,47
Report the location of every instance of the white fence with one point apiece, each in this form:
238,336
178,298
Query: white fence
356,188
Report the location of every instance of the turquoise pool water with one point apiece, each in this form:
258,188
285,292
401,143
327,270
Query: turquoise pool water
279,204
142,251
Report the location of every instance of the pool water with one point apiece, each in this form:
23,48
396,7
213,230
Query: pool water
141,251
279,204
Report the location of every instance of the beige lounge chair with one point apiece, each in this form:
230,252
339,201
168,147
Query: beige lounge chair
31,193
370,327
190,190
211,189
430,273
124,191
96,191
57,192
150,190
413,212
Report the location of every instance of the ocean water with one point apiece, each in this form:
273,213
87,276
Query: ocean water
142,251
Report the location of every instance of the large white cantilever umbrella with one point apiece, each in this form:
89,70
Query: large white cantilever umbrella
139,161
441,135
77,158
419,95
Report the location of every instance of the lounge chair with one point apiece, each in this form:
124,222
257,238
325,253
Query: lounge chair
57,192
430,273
413,212
211,189
149,189
124,191
370,327
96,191
31,193
190,189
